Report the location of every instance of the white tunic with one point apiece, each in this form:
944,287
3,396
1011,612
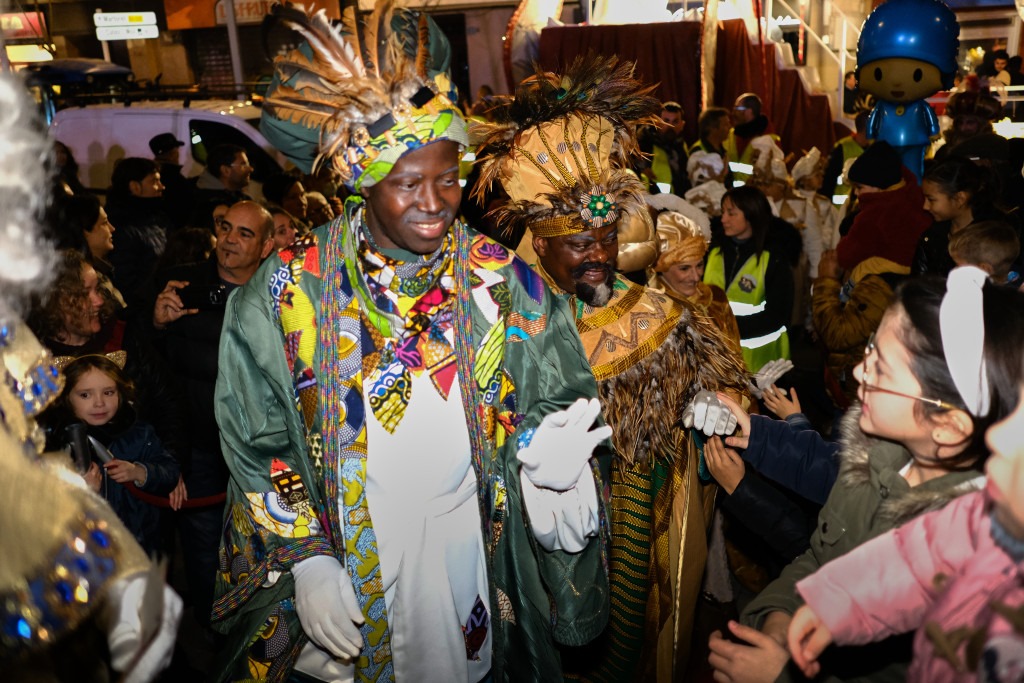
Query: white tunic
421,491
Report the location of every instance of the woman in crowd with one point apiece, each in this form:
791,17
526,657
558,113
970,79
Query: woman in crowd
747,263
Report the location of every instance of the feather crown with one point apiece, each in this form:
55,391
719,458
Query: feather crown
562,146
358,97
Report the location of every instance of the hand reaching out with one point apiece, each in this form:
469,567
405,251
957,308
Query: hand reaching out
179,495
777,401
760,661
742,436
808,638
725,464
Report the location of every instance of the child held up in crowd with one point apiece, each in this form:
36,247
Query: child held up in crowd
956,575
992,246
99,395
944,365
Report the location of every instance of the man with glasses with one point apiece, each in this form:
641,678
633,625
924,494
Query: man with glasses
223,182
748,123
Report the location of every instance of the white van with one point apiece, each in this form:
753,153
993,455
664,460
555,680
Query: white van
100,135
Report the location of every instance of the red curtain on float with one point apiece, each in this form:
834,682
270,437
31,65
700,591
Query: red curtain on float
669,54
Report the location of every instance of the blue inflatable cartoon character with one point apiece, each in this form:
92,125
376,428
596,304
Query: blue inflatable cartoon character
907,52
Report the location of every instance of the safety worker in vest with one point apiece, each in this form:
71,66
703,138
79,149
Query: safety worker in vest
833,184
663,164
748,123
746,261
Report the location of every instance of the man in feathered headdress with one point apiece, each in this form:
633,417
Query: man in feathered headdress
405,408
561,150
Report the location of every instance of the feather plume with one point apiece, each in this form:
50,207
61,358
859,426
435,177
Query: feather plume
423,46
331,52
593,85
376,27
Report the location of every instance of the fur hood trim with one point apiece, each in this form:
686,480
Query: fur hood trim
855,469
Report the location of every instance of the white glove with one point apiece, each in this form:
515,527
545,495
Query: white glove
327,607
125,636
769,374
562,445
709,415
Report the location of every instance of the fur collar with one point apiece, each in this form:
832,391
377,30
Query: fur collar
863,459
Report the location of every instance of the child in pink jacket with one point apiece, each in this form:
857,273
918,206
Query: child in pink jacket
956,575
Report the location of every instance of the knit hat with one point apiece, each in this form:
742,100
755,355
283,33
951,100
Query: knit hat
561,148
360,106
879,166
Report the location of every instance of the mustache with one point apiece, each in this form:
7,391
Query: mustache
580,270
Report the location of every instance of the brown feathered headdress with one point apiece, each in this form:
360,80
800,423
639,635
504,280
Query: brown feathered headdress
561,148
361,106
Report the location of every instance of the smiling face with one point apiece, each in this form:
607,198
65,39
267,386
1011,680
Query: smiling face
734,223
683,277
81,322
941,206
582,264
1005,469
900,80
887,366
101,238
94,399
415,204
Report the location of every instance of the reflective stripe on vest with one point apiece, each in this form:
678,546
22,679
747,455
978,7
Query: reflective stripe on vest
756,350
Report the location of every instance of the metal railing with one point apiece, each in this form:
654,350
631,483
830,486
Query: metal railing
842,55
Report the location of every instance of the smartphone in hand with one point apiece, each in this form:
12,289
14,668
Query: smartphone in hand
204,297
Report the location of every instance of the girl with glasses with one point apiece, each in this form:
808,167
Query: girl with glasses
944,365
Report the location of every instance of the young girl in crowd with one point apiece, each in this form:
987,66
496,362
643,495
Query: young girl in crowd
955,575
944,365
98,394
957,192
749,264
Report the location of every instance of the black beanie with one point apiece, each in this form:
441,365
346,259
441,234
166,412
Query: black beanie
879,166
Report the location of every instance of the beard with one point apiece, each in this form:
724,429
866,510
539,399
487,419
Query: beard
589,294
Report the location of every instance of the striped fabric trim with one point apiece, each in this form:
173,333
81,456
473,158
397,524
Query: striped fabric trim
279,559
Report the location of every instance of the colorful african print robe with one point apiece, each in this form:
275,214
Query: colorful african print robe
650,354
527,362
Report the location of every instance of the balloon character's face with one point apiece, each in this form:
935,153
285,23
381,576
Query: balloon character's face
900,80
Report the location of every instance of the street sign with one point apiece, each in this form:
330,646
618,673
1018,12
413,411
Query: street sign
127,32
123,19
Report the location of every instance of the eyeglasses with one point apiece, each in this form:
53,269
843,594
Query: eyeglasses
868,348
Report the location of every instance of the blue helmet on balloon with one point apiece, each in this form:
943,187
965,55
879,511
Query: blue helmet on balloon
924,30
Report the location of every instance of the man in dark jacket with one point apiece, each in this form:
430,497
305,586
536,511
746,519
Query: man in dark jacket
189,340
135,209
178,190
224,182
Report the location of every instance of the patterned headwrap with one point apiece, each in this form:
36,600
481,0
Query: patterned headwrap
679,239
561,148
359,97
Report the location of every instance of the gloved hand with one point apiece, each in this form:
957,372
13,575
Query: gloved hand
125,635
706,413
327,606
769,373
562,445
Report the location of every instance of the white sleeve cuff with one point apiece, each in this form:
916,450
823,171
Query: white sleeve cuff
563,520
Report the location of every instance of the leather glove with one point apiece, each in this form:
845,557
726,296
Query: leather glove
709,415
327,607
769,374
125,635
562,445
